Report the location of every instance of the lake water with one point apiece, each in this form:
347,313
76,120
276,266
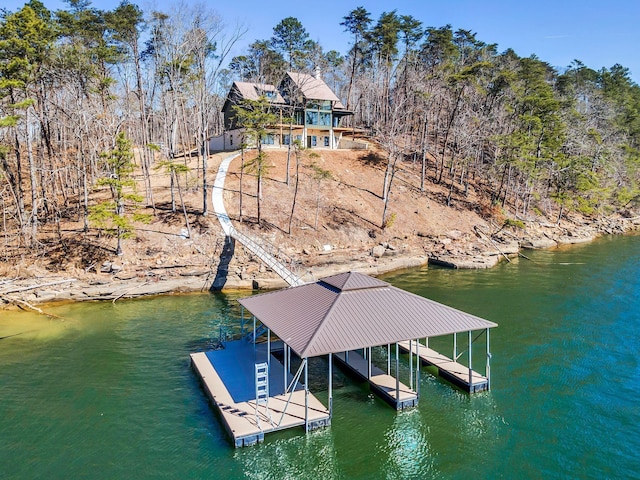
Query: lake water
108,391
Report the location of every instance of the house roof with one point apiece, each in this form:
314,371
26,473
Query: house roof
351,310
253,91
311,87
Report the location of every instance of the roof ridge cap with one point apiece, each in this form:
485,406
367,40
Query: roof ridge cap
312,338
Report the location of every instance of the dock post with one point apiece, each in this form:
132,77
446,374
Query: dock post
285,370
455,347
269,348
417,367
411,364
397,373
254,335
369,364
470,370
388,359
306,395
330,385
487,371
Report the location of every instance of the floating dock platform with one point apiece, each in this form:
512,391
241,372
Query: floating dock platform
451,371
227,377
380,383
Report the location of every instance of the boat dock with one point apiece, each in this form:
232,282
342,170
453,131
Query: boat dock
228,379
380,383
454,372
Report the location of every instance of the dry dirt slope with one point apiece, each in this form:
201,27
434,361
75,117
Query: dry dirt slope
349,206
336,226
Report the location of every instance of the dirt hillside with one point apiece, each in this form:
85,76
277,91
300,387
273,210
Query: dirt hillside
336,226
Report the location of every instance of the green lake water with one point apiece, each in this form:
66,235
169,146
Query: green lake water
108,391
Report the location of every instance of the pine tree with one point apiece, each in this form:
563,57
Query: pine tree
255,116
118,215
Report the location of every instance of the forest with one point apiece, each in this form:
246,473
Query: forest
89,96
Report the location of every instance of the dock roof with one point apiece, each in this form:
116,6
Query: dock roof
352,310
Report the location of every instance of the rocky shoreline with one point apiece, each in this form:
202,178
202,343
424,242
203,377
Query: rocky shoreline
454,249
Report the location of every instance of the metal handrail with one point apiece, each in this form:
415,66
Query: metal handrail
269,255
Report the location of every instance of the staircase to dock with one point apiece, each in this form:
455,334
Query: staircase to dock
266,252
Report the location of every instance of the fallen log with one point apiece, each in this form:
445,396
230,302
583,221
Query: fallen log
33,287
22,304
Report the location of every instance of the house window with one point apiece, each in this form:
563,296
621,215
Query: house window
314,140
286,139
315,114
268,139
311,118
325,119
269,94
326,141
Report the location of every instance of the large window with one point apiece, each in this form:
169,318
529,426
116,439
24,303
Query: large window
325,119
311,117
268,139
318,113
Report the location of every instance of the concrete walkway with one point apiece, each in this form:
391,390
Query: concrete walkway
217,195
262,250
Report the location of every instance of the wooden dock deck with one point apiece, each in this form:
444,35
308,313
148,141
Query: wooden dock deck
228,380
380,383
453,372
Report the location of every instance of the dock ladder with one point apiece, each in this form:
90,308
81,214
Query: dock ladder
262,390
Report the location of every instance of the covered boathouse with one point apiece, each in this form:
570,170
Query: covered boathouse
342,316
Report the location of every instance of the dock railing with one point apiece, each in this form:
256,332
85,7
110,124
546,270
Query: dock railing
272,256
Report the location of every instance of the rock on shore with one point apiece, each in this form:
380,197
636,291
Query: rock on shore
454,249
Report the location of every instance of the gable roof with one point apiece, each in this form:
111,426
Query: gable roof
252,91
311,87
351,310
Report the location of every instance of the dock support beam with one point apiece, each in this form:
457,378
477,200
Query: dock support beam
455,347
306,395
411,364
286,366
330,385
487,372
269,348
418,367
388,359
397,372
254,336
470,366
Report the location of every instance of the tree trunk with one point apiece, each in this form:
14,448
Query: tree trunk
184,209
295,192
241,175
32,179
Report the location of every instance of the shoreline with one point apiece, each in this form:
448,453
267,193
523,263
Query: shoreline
448,251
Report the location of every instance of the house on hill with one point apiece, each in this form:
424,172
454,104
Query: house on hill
316,111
